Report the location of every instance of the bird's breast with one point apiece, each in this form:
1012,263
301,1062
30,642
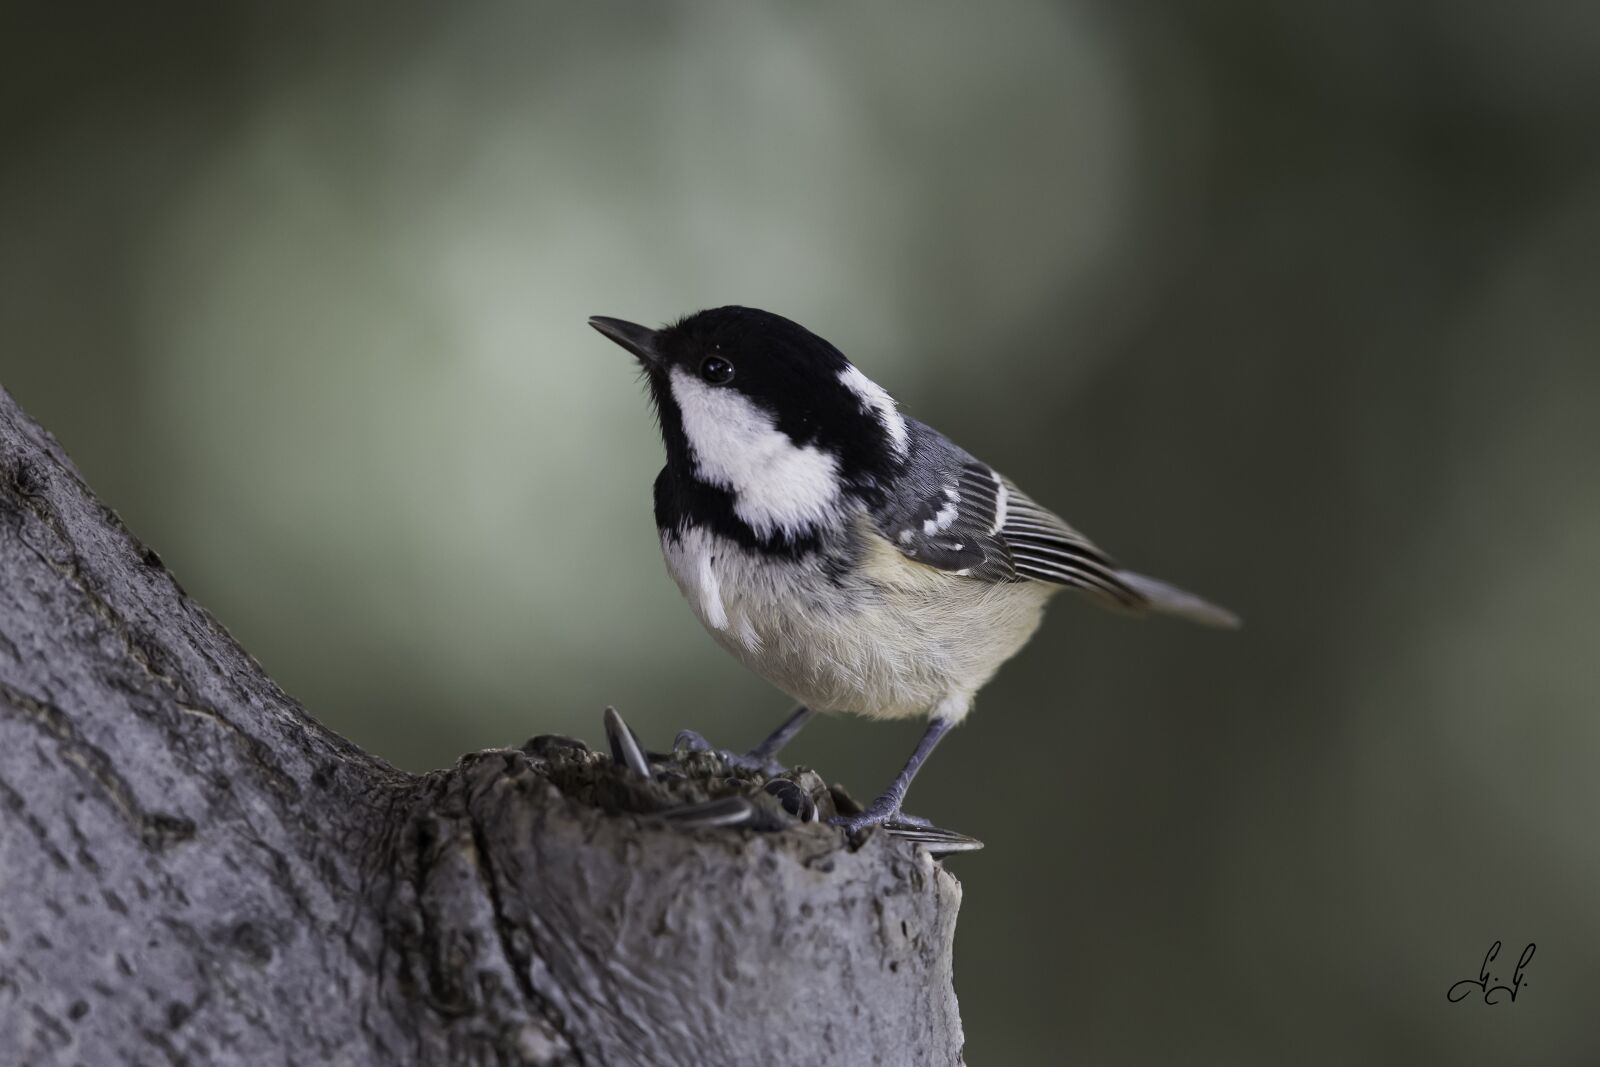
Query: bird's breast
855,626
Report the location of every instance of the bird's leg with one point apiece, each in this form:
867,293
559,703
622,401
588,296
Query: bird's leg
759,758
887,807
785,733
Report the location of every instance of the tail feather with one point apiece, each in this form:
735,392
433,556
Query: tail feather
1170,600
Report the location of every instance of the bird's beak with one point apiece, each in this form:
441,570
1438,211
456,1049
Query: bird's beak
640,340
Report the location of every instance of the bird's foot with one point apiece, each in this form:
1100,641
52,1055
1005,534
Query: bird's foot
753,761
885,812
796,800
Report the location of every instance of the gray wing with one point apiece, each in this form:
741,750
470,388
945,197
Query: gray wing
1046,549
944,511
956,513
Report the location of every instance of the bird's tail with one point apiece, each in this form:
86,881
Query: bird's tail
1170,600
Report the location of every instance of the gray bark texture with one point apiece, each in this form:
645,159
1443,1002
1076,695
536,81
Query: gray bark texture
195,871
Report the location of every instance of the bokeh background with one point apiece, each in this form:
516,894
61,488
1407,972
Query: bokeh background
1295,304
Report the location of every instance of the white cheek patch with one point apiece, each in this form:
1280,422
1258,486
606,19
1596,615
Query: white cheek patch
875,398
778,487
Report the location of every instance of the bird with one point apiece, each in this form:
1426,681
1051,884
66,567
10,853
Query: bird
854,557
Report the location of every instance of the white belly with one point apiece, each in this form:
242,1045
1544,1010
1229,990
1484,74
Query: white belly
891,638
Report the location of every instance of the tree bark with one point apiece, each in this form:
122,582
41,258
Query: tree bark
195,871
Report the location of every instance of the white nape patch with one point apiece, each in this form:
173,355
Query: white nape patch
876,398
777,485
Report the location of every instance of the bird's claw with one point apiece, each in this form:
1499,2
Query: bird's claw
628,753
797,803
914,828
691,741
938,841
879,812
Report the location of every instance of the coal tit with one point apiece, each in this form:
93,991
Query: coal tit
853,557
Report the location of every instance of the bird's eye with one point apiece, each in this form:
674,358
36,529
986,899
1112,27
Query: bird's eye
716,370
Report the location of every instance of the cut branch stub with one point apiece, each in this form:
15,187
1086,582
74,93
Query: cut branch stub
193,870
662,945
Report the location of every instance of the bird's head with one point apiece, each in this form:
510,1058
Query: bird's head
762,409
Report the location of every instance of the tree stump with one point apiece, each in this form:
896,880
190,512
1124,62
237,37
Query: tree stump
195,871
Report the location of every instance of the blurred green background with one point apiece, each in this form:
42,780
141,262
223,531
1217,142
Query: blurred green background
1295,304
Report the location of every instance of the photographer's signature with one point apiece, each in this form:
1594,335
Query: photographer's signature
1491,993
